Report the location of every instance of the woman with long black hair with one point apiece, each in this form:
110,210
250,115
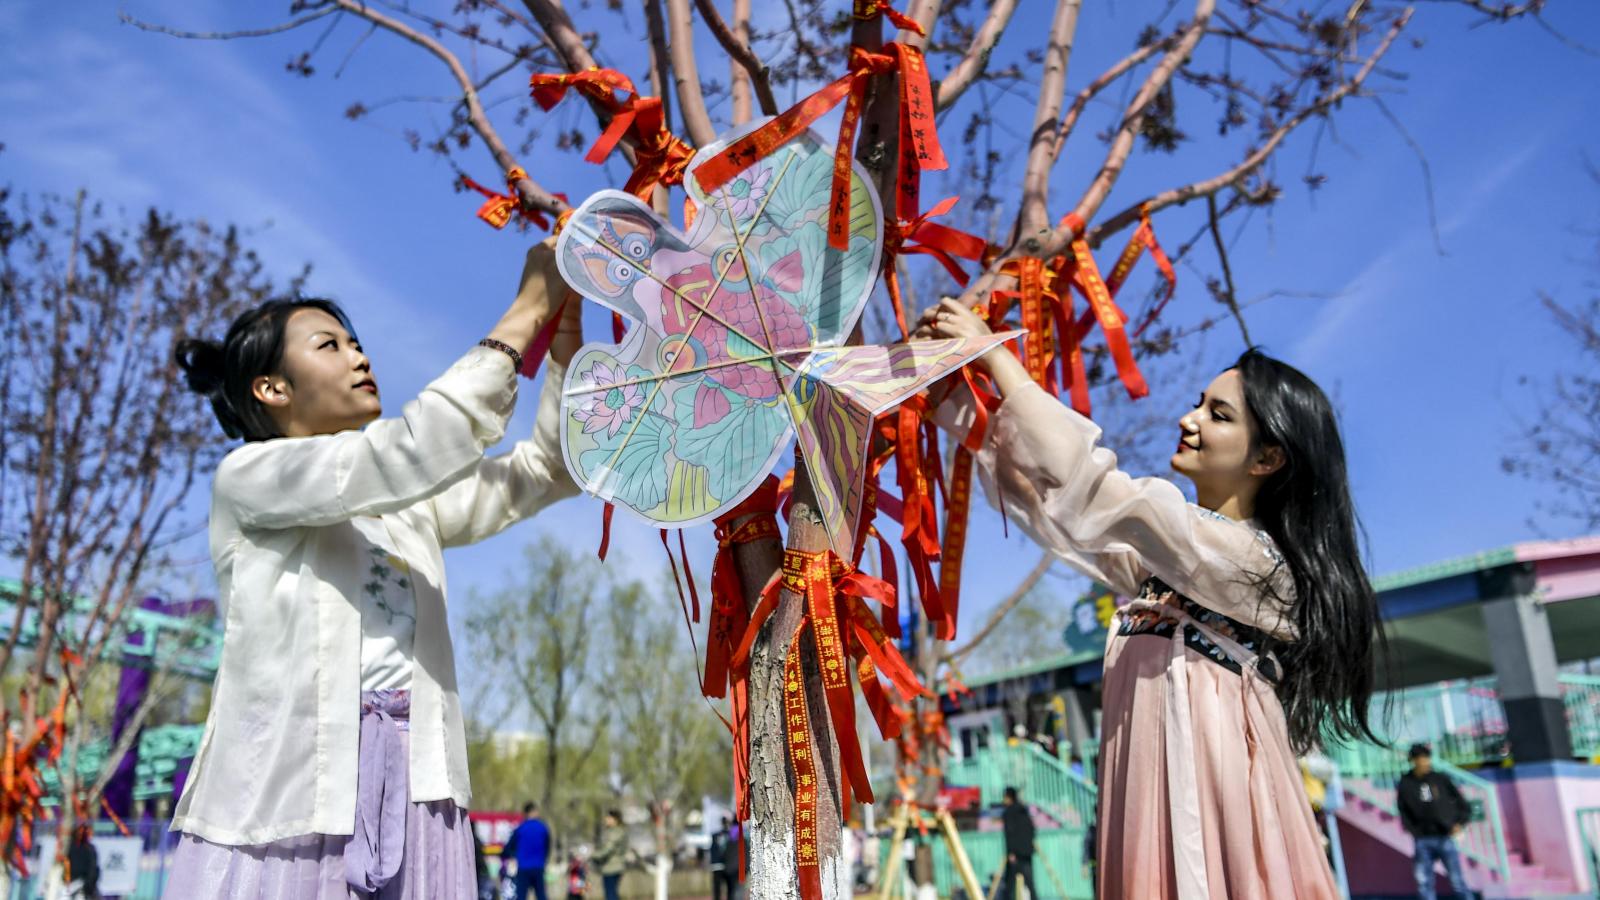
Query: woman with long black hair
1252,630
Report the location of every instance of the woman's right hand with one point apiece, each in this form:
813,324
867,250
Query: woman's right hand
950,319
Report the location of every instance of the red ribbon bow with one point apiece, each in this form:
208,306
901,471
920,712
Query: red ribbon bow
498,208
660,156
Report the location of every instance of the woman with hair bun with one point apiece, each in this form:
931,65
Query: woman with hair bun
334,759
1251,634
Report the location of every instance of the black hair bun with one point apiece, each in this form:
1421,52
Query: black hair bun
202,365
204,368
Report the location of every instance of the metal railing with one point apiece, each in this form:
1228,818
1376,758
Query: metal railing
1043,780
1465,724
1580,694
1588,820
1463,721
1060,865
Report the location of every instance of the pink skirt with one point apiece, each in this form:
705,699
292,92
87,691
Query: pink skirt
400,851
1259,838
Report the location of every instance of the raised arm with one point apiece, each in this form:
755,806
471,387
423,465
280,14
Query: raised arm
503,490
1042,462
392,463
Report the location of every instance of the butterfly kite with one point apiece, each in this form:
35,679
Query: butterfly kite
739,341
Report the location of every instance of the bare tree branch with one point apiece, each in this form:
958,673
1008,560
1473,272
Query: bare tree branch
532,194
1550,30
1122,144
973,63
562,33
1122,67
1034,215
686,71
737,43
1427,172
923,12
1226,293
660,59
740,76
1237,174
226,35
1006,605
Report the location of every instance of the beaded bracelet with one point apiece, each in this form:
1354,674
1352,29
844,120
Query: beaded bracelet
507,349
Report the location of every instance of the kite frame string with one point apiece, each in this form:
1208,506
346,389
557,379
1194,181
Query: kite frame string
700,310
771,355
790,403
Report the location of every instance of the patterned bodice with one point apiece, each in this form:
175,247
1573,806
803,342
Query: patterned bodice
1152,622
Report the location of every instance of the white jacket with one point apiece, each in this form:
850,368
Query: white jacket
278,758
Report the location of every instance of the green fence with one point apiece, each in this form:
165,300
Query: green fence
1045,781
1059,865
1589,830
1581,696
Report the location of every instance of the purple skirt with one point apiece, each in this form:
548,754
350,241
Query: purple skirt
400,850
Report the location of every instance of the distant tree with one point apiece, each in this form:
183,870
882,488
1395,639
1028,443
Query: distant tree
1561,445
100,444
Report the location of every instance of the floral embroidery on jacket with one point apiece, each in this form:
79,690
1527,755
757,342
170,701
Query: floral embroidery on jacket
382,577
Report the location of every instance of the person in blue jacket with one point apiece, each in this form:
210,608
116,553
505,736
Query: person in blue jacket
529,845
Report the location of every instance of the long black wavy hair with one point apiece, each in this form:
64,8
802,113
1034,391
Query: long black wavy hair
222,372
1305,506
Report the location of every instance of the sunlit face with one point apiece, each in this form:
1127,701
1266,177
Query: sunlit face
325,383
1215,442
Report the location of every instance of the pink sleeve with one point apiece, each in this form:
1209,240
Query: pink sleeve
1041,461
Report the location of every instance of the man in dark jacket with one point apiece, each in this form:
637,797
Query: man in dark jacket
1433,810
83,862
1019,846
724,862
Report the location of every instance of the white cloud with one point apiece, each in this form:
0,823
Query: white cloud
133,116
1383,277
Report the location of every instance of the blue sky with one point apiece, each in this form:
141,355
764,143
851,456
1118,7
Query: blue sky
1422,351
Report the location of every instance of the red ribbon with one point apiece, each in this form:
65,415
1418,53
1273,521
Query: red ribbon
941,242
1085,275
730,618
744,152
802,762
660,157
867,10
842,629
21,790
498,209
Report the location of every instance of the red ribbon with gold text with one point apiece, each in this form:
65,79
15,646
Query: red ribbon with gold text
1085,276
730,618
920,148
842,629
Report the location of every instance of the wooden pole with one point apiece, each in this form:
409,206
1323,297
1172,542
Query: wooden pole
958,854
891,867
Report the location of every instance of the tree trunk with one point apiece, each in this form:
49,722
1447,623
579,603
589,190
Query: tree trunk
771,831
